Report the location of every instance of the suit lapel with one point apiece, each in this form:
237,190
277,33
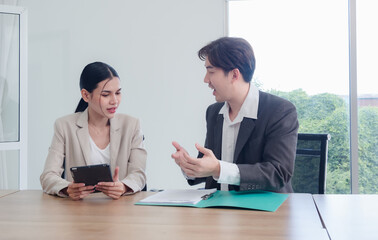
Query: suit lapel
218,129
115,141
83,135
245,131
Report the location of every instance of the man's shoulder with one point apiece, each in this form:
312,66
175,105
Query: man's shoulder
215,107
213,110
273,100
272,107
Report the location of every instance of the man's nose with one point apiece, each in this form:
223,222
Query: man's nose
206,79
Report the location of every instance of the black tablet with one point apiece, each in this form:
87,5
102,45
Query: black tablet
92,174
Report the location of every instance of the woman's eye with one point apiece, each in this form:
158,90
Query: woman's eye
105,95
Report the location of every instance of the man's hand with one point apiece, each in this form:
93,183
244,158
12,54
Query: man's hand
206,166
178,156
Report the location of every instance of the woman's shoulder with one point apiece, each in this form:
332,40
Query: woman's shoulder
68,119
126,119
126,122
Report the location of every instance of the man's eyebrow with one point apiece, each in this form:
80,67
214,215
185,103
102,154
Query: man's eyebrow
209,67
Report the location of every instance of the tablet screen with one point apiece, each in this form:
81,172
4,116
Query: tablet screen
92,174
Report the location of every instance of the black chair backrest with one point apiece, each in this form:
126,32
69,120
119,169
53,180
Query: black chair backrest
311,163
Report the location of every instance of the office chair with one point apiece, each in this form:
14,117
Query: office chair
311,163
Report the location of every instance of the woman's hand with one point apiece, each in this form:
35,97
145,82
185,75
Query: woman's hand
77,191
113,189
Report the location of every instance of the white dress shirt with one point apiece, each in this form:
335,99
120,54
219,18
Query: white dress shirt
229,171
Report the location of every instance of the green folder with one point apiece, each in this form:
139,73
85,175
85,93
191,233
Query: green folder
259,200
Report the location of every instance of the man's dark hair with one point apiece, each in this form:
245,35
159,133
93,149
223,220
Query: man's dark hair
229,53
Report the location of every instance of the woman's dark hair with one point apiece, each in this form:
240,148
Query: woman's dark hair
92,74
229,53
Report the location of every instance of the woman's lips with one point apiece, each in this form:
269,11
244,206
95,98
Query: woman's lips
112,110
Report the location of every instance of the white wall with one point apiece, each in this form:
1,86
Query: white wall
152,44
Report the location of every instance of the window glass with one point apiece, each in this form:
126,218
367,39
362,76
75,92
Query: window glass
301,49
9,77
367,90
9,169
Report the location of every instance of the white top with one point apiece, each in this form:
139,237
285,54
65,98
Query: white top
99,156
229,171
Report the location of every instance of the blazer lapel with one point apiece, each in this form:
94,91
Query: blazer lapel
83,135
218,129
115,141
245,131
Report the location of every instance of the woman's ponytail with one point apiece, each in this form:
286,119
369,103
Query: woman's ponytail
81,106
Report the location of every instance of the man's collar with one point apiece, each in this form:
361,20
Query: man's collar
249,107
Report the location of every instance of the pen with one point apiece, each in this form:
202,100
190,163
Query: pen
207,196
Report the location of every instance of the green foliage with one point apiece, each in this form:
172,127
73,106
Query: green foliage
328,113
338,181
368,150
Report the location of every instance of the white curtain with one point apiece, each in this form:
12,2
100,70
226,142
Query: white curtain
7,28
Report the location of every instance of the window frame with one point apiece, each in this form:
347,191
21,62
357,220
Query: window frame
20,145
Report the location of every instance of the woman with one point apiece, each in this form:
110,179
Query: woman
95,134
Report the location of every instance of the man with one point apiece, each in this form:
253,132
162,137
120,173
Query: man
251,135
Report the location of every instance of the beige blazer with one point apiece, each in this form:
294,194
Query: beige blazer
71,142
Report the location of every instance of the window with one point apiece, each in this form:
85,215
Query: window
367,89
302,54
13,90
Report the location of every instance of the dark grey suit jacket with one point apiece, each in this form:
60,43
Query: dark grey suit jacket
265,147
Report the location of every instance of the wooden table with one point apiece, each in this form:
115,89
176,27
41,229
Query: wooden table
31,214
3,193
349,216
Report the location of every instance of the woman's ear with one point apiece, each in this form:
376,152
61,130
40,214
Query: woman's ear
85,95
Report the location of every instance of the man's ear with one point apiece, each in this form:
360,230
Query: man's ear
235,74
85,95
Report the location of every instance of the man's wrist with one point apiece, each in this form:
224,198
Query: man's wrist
216,172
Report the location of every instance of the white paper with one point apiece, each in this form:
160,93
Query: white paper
187,196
